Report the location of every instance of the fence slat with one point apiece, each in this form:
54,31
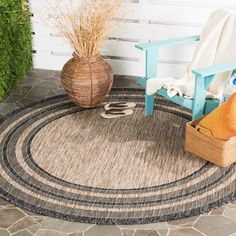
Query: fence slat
140,20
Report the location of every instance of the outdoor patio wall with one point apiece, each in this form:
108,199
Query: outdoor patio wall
142,20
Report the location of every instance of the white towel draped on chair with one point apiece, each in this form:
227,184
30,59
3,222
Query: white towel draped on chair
217,45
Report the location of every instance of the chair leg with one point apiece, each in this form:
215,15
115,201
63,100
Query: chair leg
201,86
196,116
151,72
199,98
199,105
149,105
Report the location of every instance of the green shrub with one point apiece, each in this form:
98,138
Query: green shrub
15,44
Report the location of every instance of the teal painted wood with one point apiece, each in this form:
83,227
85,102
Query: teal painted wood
199,105
188,103
151,71
151,63
167,43
142,81
200,92
216,69
210,104
149,105
199,97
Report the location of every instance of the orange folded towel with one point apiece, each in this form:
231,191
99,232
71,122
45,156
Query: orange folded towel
222,121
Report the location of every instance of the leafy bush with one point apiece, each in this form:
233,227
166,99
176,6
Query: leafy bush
15,44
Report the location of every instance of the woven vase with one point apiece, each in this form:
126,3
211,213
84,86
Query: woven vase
87,80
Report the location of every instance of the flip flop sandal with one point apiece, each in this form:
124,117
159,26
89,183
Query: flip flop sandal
117,105
114,113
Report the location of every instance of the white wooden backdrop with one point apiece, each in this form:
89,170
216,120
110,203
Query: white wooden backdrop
143,20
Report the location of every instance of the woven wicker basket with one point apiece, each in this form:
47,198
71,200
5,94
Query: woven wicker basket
201,142
87,81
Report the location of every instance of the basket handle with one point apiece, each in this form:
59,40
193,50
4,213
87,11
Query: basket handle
204,131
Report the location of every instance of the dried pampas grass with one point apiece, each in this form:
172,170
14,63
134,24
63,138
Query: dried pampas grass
86,25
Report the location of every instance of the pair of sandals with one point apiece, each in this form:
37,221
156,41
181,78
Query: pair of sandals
118,109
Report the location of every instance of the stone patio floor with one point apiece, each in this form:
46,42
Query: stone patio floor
40,84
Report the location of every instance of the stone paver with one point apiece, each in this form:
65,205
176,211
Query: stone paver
34,228
7,108
4,232
63,226
38,219
42,74
230,212
184,221
40,84
76,234
49,233
9,217
22,233
163,232
22,224
185,232
146,233
103,230
49,84
216,225
21,90
218,211
128,232
31,213
37,93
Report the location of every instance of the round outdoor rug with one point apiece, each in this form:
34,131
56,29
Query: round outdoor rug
59,160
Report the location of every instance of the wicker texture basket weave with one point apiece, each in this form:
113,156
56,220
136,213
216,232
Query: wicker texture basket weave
203,144
87,81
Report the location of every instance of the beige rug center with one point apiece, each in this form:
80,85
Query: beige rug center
125,153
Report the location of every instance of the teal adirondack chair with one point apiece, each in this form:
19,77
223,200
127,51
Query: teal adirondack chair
204,76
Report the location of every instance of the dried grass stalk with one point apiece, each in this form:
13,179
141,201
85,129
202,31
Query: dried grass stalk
86,25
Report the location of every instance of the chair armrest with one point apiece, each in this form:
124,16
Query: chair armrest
167,43
213,70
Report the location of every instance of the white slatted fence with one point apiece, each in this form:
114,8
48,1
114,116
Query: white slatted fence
142,20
